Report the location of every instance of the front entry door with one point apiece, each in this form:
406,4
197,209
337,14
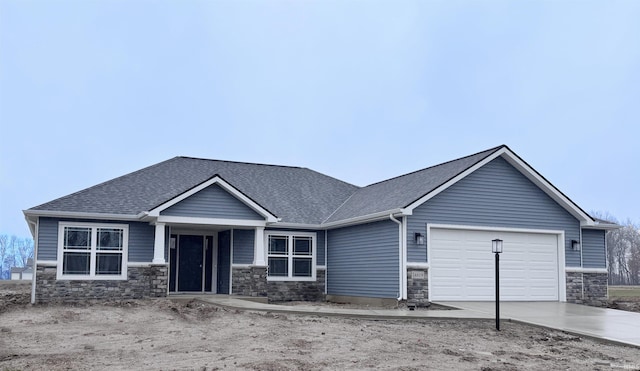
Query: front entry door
190,263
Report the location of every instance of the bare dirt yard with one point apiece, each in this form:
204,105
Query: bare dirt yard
163,334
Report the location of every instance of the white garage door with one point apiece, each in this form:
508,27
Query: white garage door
462,266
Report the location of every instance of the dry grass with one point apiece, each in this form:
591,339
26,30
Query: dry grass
626,292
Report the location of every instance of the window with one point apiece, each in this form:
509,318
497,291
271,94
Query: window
92,251
291,257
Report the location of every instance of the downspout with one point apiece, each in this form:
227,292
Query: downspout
326,262
35,260
400,255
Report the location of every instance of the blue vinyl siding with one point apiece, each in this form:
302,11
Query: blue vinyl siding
141,241
593,249
363,260
243,240
496,195
141,238
320,248
47,239
212,202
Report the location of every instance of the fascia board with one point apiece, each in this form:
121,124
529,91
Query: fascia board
295,225
83,215
270,218
365,218
210,221
602,226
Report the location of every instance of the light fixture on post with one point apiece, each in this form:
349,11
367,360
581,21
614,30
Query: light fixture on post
496,248
575,245
419,238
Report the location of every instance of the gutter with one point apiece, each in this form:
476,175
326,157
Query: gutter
366,218
75,214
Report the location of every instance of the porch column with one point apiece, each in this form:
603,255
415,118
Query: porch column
158,246
258,254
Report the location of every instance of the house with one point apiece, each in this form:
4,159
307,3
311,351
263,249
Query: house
289,233
23,273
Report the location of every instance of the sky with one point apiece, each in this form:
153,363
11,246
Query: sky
361,91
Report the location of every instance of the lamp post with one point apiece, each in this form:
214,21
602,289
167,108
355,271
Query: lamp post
496,248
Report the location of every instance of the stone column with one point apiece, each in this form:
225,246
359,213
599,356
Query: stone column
158,246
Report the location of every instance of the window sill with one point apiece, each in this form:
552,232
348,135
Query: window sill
291,279
91,278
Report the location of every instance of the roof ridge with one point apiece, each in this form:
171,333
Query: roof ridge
491,150
240,162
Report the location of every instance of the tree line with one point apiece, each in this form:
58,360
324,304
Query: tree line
14,252
623,253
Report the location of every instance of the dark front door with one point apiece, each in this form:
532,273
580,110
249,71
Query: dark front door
190,263
224,261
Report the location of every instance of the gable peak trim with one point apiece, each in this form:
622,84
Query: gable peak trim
216,180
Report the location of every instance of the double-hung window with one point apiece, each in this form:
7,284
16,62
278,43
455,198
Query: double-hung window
291,256
92,251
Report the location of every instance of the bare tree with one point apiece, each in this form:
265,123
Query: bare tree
623,251
4,247
14,251
24,251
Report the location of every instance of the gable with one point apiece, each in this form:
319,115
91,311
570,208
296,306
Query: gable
496,195
212,202
497,190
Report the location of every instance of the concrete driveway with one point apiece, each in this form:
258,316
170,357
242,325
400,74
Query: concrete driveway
610,324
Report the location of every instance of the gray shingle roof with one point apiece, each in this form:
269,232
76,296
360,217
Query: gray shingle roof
294,194
402,191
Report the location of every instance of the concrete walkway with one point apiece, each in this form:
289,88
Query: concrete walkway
608,324
238,302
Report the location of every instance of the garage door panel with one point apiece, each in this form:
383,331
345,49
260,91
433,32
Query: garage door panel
462,265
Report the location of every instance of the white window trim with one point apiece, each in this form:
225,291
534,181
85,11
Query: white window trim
92,276
287,234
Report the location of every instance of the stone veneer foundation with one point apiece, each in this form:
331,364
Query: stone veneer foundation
418,286
587,288
252,281
142,282
582,288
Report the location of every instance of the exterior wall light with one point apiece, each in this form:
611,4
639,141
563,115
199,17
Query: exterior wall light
575,245
419,238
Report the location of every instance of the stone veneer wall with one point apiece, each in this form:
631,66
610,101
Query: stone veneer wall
418,285
250,281
298,290
574,287
587,288
595,289
142,282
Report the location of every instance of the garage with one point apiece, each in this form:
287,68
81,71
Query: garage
462,265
